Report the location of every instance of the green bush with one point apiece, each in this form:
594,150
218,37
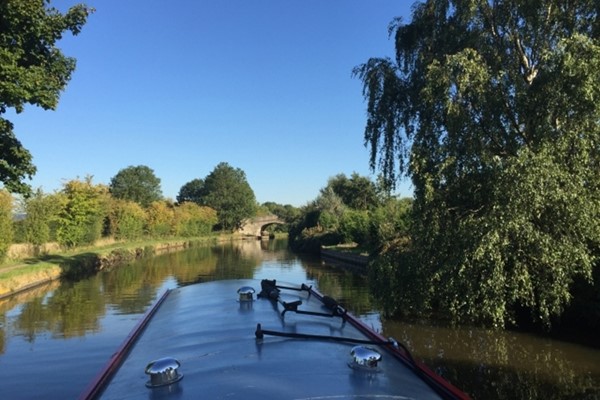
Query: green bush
160,219
41,214
81,218
354,226
126,220
389,222
193,220
6,223
328,221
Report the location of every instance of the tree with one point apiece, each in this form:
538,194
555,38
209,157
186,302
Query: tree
32,71
492,109
160,219
41,210
358,192
228,192
331,207
193,220
390,222
137,184
6,222
286,212
84,207
126,219
191,191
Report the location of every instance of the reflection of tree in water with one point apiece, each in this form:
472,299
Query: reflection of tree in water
2,333
13,301
348,288
72,310
133,288
75,308
502,364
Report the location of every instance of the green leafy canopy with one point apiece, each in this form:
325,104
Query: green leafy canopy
493,110
136,183
227,191
32,71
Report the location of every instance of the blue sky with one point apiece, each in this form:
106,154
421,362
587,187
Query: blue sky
182,85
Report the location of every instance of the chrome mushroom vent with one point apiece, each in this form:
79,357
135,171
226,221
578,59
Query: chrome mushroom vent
245,293
364,358
163,372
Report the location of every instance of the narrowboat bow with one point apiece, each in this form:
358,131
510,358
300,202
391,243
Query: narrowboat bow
260,340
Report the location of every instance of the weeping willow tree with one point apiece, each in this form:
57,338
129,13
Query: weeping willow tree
492,108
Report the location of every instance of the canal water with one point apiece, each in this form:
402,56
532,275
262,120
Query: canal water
54,339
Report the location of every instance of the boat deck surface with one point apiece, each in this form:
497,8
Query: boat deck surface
212,334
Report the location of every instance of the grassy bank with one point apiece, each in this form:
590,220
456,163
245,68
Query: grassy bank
28,272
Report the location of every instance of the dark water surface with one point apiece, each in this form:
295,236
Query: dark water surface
56,338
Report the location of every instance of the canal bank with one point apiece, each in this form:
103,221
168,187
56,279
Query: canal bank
356,261
31,272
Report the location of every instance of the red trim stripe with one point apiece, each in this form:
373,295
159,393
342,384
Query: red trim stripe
441,385
97,385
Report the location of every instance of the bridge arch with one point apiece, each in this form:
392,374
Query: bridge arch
255,226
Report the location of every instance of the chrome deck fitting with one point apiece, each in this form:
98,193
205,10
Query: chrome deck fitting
163,372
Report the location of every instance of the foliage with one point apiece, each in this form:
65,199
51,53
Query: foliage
136,183
126,220
375,228
354,226
583,313
227,191
6,226
41,211
191,191
492,108
389,222
194,220
84,206
160,219
348,210
32,71
286,212
331,207
396,281
358,192
310,239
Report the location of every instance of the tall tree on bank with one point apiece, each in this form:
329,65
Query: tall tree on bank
138,184
191,191
357,192
493,110
227,191
32,71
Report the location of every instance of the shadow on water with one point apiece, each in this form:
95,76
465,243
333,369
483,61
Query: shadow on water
491,364
75,267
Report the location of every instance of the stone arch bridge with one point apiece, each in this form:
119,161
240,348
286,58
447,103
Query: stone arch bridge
255,226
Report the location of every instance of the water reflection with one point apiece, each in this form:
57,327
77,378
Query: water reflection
74,309
74,321
503,364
